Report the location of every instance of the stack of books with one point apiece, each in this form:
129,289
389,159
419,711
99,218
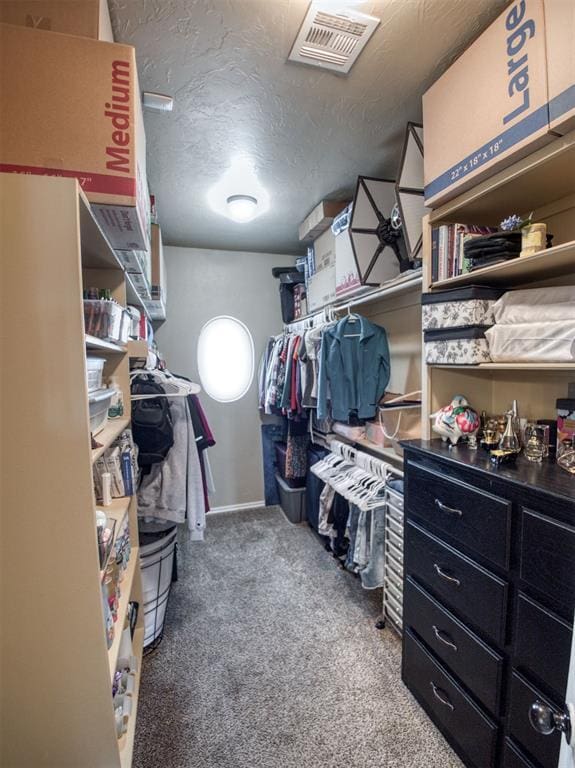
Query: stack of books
447,252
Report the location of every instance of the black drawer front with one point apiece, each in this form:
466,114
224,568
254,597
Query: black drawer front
449,707
547,556
472,517
545,749
542,644
476,665
513,757
469,589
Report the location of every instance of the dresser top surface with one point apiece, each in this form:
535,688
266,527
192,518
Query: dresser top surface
546,476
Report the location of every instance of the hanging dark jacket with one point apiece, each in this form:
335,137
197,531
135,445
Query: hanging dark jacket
354,367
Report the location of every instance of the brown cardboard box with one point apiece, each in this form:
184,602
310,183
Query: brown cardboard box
85,18
71,107
320,219
560,38
491,107
324,250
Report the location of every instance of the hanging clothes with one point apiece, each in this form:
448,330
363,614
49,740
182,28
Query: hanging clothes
354,363
174,489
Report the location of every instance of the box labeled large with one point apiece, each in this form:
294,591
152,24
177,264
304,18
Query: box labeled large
71,107
560,38
492,106
85,18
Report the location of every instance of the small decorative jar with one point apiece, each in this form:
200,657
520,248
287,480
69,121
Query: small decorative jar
533,239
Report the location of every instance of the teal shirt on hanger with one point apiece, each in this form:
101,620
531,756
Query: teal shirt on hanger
354,369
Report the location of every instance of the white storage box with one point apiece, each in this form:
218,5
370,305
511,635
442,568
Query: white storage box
99,402
94,371
456,346
543,305
532,342
321,289
459,307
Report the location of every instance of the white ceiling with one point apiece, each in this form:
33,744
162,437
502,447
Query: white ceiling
308,132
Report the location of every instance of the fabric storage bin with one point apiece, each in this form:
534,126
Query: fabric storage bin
94,371
535,342
281,454
103,319
292,501
541,305
456,346
399,418
99,402
459,307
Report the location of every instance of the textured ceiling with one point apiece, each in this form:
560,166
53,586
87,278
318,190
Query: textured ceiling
308,132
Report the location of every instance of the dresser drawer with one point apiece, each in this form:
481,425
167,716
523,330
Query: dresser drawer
472,517
474,593
545,749
474,663
513,757
447,704
542,644
547,556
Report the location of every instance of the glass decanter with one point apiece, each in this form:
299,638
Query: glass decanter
567,458
509,440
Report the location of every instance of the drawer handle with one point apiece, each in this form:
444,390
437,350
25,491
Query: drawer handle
445,701
446,576
441,637
451,510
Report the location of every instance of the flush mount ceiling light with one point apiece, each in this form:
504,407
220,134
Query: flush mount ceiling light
377,242
239,195
409,189
242,208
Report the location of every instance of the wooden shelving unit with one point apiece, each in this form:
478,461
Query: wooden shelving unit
56,683
542,183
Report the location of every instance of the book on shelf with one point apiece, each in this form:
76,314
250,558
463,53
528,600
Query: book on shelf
447,249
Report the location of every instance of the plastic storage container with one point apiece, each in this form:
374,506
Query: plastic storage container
99,402
535,342
459,307
103,319
281,453
157,551
292,501
94,371
456,346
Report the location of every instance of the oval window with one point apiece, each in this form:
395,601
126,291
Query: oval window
225,359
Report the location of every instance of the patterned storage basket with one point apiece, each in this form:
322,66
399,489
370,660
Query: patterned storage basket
456,346
459,307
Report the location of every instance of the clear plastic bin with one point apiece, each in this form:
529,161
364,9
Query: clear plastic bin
94,371
103,319
99,402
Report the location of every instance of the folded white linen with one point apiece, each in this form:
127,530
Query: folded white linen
532,342
536,304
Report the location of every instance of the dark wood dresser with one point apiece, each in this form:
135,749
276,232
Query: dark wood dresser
489,596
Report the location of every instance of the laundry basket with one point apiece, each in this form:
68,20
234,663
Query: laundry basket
157,550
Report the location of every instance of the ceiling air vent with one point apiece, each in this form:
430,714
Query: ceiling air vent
332,40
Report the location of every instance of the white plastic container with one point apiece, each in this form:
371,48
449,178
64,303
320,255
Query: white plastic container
94,371
99,402
536,342
156,563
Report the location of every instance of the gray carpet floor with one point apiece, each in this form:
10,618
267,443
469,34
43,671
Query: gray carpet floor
270,659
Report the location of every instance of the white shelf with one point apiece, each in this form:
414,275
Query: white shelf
103,346
553,262
96,251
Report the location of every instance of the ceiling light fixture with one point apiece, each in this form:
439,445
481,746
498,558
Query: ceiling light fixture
242,208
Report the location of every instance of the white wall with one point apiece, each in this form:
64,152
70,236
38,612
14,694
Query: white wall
203,284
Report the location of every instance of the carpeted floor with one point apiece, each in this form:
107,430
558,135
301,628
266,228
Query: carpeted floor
270,659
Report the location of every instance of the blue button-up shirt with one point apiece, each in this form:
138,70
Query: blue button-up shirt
354,367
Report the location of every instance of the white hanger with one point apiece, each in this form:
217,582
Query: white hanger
173,386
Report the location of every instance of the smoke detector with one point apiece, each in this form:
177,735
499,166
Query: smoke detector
332,40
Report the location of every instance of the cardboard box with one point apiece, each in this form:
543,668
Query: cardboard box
324,251
85,18
560,39
346,274
158,265
71,107
320,219
132,261
492,106
321,289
